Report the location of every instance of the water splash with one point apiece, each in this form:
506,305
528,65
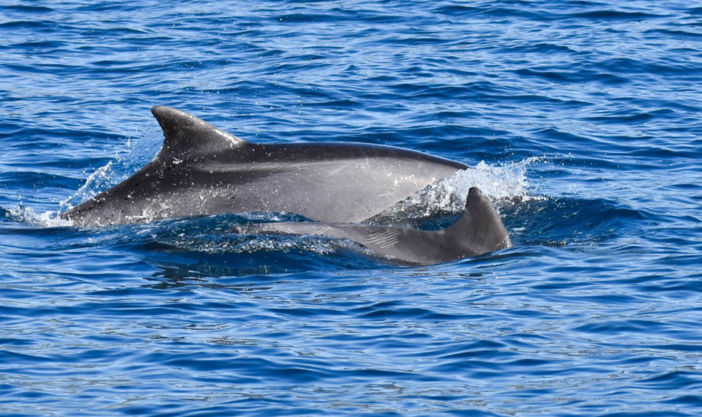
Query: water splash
448,196
24,214
126,163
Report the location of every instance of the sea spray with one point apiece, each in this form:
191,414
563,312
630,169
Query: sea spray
448,196
128,161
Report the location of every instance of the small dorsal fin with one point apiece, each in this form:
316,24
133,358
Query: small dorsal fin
481,222
187,135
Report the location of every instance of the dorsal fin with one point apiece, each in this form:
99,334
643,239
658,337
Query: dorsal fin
481,222
187,135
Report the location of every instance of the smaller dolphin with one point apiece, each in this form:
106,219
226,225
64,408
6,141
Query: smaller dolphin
478,231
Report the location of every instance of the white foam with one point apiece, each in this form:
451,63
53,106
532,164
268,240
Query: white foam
22,214
447,196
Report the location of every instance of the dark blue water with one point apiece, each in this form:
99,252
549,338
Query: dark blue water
583,118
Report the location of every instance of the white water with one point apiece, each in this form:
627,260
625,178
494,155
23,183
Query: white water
126,163
498,182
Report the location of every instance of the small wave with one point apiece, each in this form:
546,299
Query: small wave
614,15
561,221
26,8
24,24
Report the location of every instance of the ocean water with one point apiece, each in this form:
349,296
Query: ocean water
581,117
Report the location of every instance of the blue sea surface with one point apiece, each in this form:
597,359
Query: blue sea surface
582,118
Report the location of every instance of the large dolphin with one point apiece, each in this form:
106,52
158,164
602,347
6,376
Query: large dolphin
478,231
203,170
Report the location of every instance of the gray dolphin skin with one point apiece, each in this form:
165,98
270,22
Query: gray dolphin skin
478,231
202,170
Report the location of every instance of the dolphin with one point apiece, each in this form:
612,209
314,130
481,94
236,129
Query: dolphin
479,230
202,170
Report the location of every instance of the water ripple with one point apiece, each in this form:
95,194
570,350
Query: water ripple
580,117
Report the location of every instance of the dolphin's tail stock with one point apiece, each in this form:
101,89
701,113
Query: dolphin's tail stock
478,231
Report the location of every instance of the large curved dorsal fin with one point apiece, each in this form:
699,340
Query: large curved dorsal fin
187,135
481,222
